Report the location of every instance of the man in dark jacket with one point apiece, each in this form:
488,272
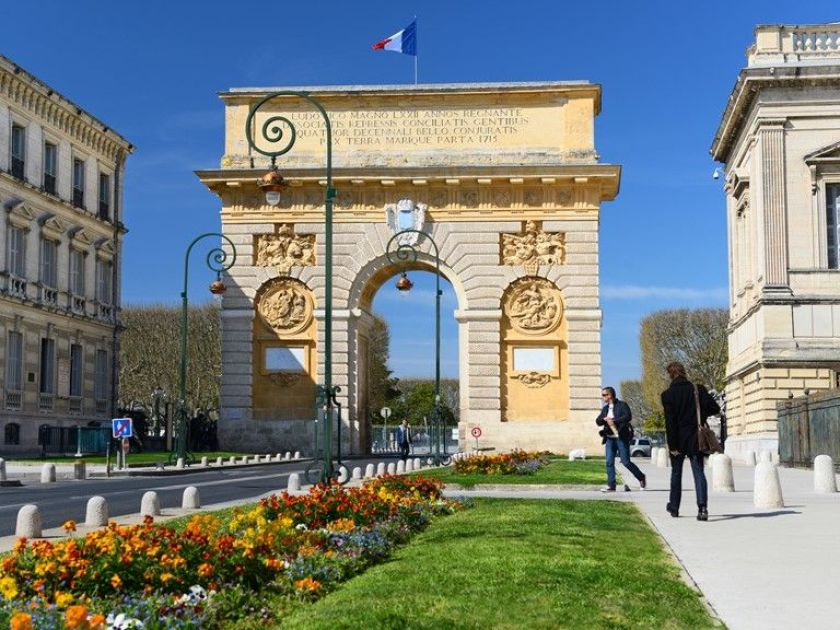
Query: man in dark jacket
616,433
678,402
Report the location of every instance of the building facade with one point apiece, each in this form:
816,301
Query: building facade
61,231
503,178
779,140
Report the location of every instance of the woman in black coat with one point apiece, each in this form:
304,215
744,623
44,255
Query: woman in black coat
680,407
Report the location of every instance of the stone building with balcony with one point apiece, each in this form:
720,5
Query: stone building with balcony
779,140
61,231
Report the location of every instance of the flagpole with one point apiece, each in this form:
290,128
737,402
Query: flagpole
415,69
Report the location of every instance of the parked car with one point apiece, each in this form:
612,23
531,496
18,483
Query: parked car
640,447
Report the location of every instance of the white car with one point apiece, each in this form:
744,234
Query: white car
640,447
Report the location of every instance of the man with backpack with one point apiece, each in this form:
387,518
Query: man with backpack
616,433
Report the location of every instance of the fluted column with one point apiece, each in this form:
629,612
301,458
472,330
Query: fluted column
773,206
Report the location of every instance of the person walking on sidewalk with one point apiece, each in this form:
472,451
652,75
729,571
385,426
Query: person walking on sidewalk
678,402
404,439
616,433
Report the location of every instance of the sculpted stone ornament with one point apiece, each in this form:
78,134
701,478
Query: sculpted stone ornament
533,247
533,306
534,379
285,250
286,306
406,215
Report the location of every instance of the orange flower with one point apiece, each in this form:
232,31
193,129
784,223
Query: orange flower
76,617
116,581
21,621
205,569
97,622
69,526
308,584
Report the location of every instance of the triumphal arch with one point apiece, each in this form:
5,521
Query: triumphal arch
506,180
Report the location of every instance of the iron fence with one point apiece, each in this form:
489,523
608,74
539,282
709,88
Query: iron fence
809,426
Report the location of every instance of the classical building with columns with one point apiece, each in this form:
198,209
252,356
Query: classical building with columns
503,177
779,140
61,174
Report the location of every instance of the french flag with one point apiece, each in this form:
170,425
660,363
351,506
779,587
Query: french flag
404,42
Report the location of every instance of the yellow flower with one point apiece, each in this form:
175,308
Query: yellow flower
9,587
62,600
116,581
165,577
69,526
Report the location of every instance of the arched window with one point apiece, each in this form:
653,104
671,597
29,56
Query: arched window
11,434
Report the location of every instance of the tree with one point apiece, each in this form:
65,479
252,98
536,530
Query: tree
631,393
695,337
417,400
382,387
150,355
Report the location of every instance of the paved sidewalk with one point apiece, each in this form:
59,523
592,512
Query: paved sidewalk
757,568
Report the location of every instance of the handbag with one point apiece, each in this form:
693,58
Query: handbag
707,442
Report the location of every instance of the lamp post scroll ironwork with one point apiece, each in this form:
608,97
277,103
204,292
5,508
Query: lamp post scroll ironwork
218,260
279,131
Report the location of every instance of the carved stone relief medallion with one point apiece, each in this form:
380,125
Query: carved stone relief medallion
285,250
406,215
533,247
534,379
286,306
533,306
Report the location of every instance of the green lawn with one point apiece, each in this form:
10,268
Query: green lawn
134,459
516,564
558,472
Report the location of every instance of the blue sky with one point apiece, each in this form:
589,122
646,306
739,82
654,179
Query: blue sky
152,71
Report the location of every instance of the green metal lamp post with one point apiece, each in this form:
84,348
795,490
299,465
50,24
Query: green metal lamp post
217,260
399,251
272,133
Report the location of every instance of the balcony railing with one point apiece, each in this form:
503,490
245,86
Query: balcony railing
45,402
18,166
78,305
49,183
101,406
105,311
17,287
14,399
74,405
104,211
49,296
780,44
78,198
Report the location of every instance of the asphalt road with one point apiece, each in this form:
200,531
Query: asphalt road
67,499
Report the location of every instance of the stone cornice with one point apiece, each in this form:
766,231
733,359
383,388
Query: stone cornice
749,84
39,100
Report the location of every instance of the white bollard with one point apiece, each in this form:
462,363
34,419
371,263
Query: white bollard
294,483
662,458
297,455
179,463
278,457
775,458
400,467
287,456
824,479
380,469
150,504
654,450
96,513
418,463
205,462
749,458
343,474
2,469
357,473
409,465
48,473
191,499
767,491
370,471
766,456
392,468
219,461
232,460
722,480
28,522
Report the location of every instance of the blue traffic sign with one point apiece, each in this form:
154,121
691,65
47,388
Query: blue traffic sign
121,428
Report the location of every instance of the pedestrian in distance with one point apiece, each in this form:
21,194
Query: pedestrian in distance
404,439
680,402
616,433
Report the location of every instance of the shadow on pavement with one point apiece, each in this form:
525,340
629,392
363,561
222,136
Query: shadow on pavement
729,517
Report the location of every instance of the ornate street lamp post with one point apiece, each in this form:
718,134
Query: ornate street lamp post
272,133
217,260
399,251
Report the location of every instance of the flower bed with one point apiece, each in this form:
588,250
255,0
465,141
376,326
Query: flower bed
165,578
513,463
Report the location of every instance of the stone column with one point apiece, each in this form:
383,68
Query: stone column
479,364
772,205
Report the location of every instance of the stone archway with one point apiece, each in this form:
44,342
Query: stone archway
510,185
